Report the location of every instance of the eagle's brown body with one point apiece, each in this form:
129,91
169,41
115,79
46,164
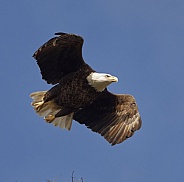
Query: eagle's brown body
73,90
80,93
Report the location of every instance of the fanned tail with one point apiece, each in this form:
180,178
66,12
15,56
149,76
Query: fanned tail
48,109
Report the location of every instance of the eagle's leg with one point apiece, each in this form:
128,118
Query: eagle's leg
63,112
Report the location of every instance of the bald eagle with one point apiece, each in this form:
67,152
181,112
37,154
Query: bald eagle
79,92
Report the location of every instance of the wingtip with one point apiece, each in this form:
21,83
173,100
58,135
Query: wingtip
63,33
60,33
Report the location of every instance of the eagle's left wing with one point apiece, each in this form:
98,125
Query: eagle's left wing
115,117
60,56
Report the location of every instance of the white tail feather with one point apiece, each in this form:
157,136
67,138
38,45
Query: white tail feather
50,108
64,122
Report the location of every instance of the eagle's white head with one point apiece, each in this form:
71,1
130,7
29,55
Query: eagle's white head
100,80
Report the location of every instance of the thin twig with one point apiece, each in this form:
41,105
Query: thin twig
72,176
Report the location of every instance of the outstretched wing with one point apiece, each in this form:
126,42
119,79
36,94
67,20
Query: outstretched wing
115,117
59,56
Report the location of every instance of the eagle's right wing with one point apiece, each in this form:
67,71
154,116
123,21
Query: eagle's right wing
115,117
60,56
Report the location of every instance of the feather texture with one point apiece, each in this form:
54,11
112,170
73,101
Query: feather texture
115,117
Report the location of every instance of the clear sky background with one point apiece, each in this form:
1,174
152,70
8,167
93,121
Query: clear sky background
140,42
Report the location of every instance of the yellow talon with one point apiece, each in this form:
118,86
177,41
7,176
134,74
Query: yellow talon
49,118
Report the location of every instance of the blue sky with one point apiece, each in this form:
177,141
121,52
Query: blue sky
140,42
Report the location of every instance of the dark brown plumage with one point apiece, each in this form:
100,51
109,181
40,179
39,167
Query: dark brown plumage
81,93
115,117
60,56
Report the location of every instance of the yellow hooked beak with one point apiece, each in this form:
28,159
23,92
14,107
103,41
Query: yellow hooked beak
113,79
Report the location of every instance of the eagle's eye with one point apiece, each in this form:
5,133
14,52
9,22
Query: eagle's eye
133,104
107,76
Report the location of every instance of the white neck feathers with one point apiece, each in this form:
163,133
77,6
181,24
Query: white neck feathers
98,81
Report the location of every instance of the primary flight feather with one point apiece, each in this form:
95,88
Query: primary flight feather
80,93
